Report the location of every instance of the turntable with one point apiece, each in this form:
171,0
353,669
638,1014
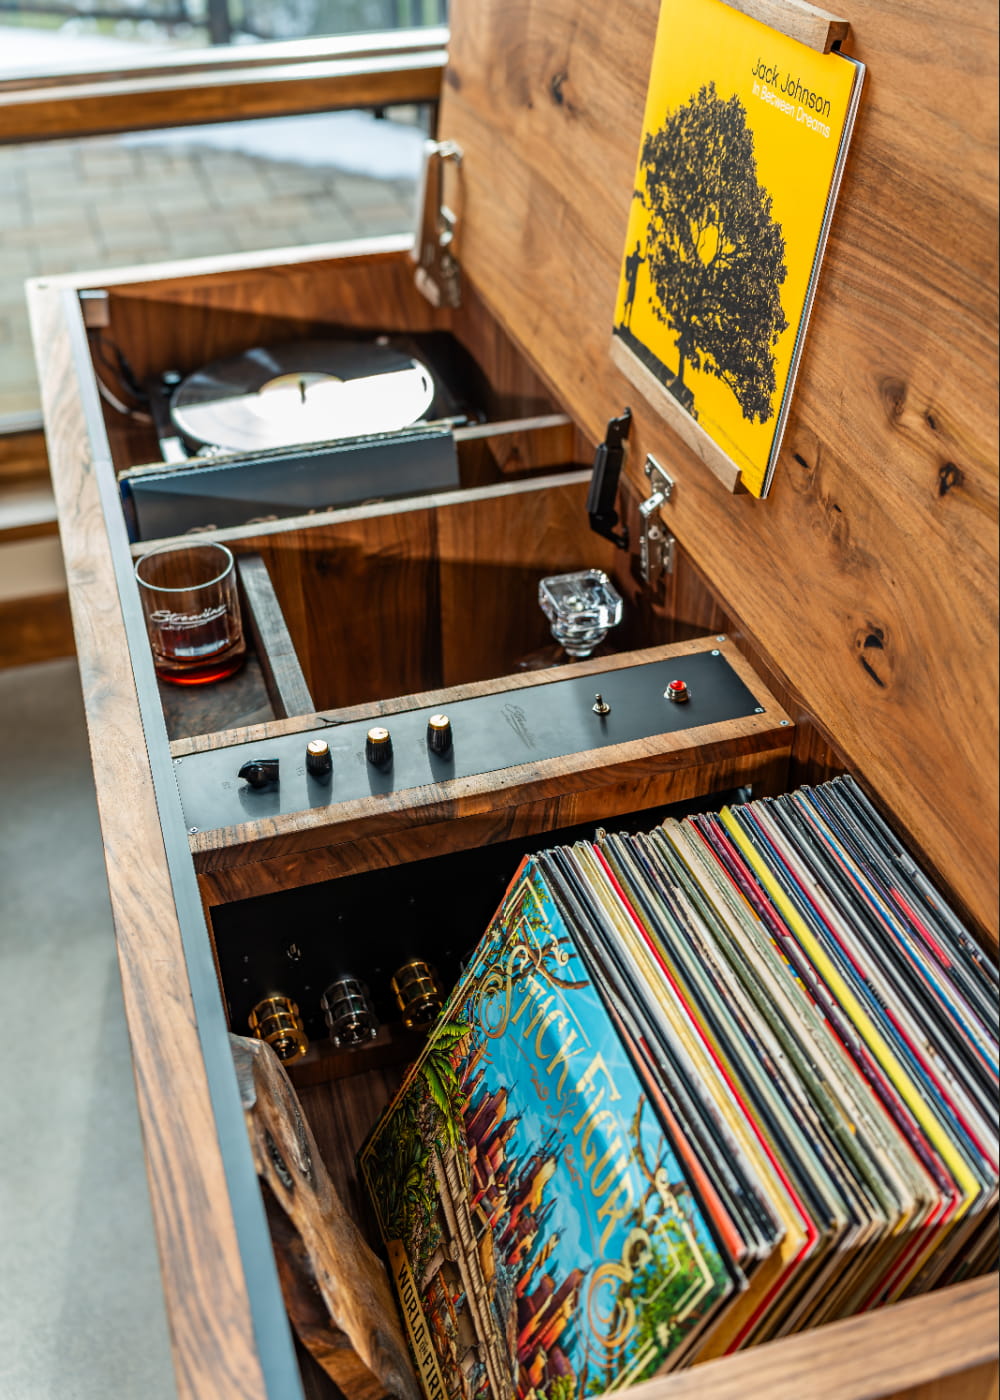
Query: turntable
309,425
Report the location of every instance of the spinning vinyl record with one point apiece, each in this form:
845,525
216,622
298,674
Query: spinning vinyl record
307,391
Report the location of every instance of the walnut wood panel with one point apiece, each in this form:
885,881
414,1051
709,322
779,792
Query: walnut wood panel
322,1063
361,602
492,555
181,315
949,1335
766,771
336,1291
278,660
207,1306
798,19
402,596
187,99
246,536
533,446
240,699
341,1116
220,61
977,1383
23,454
35,629
869,574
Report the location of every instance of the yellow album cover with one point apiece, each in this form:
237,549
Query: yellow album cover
742,147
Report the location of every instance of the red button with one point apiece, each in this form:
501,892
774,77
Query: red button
677,690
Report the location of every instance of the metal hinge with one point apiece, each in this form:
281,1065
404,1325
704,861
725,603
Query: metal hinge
437,275
656,543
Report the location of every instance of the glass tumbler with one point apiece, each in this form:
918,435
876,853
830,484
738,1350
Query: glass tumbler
192,612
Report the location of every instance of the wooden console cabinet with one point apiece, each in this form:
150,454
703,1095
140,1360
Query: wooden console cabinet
860,597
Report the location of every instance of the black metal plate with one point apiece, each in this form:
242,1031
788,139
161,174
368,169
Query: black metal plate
491,733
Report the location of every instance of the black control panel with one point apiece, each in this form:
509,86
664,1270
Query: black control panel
484,734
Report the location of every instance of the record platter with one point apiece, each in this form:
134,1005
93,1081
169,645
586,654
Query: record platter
303,426
317,391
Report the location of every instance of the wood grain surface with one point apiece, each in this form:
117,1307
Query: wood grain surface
948,1338
23,454
189,98
405,596
276,655
869,575
240,699
337,1292
766,771
977,1383
208,1310
798,19
35,629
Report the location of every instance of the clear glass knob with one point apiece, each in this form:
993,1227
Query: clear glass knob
581,608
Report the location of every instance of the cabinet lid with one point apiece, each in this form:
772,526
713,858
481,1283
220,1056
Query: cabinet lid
862,575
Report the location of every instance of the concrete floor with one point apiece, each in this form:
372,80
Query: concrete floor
81,1315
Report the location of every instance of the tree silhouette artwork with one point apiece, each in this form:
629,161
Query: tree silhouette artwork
714,253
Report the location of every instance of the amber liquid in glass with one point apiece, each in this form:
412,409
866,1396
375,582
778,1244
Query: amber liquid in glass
195,649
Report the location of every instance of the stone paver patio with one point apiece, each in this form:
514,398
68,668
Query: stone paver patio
107,202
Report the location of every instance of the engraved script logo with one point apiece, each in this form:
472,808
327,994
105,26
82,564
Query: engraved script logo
169,621
518,721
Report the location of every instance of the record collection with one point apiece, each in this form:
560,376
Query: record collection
697,1089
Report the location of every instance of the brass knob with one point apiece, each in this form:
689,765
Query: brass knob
378,747
318,761
439,737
